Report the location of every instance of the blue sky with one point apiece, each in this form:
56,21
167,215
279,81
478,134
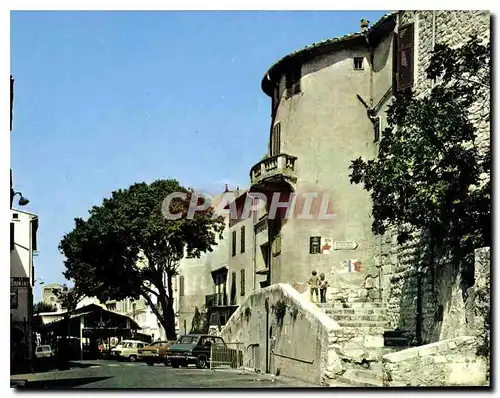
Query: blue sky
106,99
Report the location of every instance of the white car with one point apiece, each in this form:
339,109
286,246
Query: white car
127,349
44,351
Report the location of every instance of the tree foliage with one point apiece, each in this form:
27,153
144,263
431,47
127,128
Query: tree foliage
128,249
431,172
43,307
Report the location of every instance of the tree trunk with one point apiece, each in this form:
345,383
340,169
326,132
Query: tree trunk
167,306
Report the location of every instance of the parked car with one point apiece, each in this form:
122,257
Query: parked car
44,351
155,352
196,349
128,349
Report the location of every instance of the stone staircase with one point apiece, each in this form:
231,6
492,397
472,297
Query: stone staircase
360,342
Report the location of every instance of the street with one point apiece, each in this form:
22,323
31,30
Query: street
113,374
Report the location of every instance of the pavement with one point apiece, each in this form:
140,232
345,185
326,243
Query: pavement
113,374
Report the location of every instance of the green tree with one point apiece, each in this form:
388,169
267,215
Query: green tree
127,248
431,172
43,307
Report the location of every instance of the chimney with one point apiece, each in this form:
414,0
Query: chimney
227,188
364,25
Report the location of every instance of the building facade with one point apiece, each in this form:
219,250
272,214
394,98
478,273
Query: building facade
23,246
430,305
327,106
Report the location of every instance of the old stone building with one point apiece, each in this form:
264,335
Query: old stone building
427,302
329,103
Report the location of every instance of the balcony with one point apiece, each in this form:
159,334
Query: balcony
274,169
216,300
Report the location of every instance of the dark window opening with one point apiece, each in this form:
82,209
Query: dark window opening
242,239
242,282
293,82
34,232
358,63
233,288
15,216
376,129
12,228
234,244
276,140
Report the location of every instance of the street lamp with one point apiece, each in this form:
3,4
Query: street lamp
39,280
22,200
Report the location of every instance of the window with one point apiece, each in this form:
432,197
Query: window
181,285
242,282
15,216
34,230
376,129
12,226
233,289
234,244
276,140
358,63
293,81
242,239
404,62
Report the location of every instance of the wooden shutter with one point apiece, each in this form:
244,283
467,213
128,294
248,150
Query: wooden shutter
242,282
242,239
405,57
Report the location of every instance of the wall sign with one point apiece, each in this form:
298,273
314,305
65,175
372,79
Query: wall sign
345,245
20,282
326,245
314,244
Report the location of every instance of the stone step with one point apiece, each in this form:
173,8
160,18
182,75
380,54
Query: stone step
358,317
352,379
353,304
362,324
369,374
357,311
363,330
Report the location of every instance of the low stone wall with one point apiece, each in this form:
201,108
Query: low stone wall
446,363
297,342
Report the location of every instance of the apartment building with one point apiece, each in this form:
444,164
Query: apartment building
23,246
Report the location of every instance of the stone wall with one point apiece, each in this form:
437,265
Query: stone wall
436,291
446,363
298,344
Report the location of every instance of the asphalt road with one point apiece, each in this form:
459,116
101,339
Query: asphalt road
113,374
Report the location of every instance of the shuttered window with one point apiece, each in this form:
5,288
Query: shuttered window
242,239
405,57
233,248
276,140
293,81
242,282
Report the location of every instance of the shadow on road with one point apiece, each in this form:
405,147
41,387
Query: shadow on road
62,383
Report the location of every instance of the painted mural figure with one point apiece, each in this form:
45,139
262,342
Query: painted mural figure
314,283
323,286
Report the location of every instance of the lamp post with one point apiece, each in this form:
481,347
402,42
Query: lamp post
23,201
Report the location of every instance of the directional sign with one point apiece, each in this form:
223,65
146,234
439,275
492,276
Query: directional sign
345,245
